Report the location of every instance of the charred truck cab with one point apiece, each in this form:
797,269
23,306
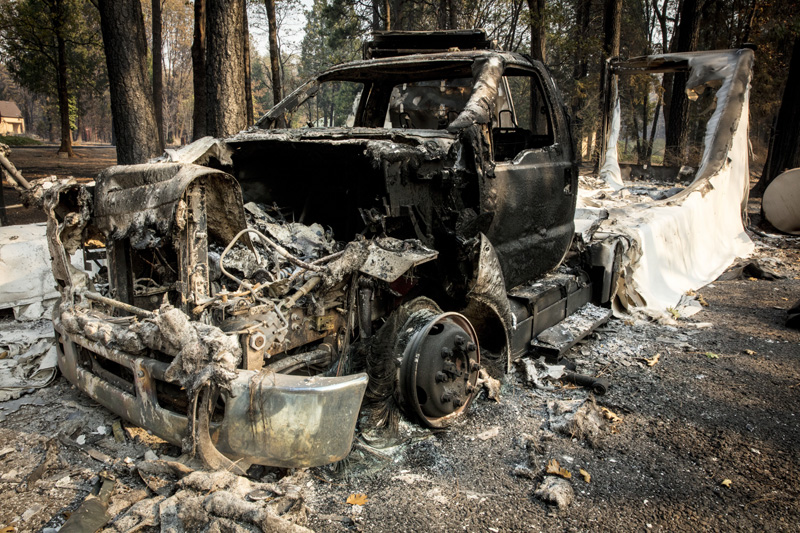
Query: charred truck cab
256,293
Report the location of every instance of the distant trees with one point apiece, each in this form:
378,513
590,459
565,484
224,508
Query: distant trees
274,73
48,43
39,37
177,19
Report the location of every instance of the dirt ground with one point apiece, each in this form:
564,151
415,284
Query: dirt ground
705,439
42,161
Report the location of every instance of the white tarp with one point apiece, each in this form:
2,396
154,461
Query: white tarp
610,171
26,279
686,241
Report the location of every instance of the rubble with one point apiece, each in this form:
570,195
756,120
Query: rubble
580,419
27,358
209,500
92,513
554,489
490,385
750,269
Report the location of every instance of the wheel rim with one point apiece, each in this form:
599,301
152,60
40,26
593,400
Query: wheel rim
439,367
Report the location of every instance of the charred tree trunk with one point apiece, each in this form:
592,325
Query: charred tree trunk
666,80
580,72
248,87
678,118
56,10
376,15
666,86
612,21
158,73
275,52
581,52
645,118
649,155
63,97
199,70
538,29
134,117
226,112
784,147
748,25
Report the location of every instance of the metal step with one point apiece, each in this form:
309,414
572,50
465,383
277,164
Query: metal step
556,340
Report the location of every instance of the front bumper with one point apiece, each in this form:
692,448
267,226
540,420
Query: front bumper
269,419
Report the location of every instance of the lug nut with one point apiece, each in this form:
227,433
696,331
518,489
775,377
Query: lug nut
446,398
446,352
441,377
459,341
470,388
257,340
471,347
474,367
458,402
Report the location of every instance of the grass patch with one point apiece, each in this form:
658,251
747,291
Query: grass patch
16,140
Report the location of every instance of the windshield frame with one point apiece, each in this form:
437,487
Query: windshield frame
409,68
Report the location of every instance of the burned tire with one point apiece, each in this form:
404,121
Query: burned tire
439,365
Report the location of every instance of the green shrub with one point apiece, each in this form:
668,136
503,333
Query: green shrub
17,140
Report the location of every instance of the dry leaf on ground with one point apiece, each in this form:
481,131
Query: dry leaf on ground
653,361
726,482
357,499
611,415
750,352
587,477
554,468
711,355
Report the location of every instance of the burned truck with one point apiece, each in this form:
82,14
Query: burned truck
254,298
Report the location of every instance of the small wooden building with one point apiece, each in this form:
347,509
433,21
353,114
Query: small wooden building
11,121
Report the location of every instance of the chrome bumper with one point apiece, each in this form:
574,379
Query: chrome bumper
270,419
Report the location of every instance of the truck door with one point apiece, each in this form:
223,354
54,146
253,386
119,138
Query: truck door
536,176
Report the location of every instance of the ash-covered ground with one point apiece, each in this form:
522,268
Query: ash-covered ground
707,438
698,432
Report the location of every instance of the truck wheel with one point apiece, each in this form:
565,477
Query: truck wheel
440,360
